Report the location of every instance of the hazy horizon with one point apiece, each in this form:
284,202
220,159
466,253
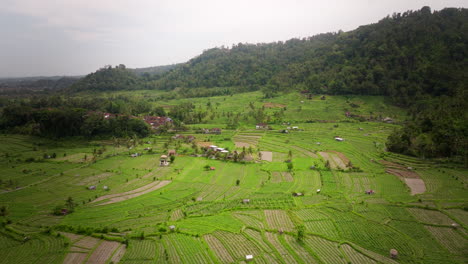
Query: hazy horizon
69,38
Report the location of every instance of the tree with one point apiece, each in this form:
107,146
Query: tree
3,210
290,166
237,182
300,233
70,204
172,158
207,167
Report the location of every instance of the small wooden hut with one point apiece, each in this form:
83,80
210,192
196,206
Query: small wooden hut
163,161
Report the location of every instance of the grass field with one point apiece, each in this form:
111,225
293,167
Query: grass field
129,221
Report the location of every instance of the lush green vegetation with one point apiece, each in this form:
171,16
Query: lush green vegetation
417,59
84,179
339,224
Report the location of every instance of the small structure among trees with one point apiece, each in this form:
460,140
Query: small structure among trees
261,126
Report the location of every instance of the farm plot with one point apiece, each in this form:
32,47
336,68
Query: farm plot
140,251
249,220
450,239
73,258
304,151
267,155
325,228
356,257
118,254
176,215
303,254
411,178
92,250
310,215
237,245
278,220
94,179
277,176
460,215
103,252
39,249
118,197
257,238
86,242
189,249
218,248
334,160
285,255
246,140
327,251
430,216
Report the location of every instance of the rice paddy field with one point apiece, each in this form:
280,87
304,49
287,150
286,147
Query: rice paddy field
297,197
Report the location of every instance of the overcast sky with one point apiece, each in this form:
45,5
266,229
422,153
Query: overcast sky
74,37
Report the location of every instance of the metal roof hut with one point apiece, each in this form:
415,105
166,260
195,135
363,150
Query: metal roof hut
171,152
393,253
248,258
172,227
245,201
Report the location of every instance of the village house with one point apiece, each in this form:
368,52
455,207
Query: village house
261,126
178,136
157,121
215,131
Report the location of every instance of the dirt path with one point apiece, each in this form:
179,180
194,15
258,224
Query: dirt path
267,155
118,197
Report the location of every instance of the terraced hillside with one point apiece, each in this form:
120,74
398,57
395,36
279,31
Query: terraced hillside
296,197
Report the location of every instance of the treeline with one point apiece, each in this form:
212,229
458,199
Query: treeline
35,84
66,121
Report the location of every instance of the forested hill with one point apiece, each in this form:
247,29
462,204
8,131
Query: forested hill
403,55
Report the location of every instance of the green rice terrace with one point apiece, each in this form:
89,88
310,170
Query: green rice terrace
313,185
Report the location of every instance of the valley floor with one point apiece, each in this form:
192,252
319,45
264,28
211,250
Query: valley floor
339,202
